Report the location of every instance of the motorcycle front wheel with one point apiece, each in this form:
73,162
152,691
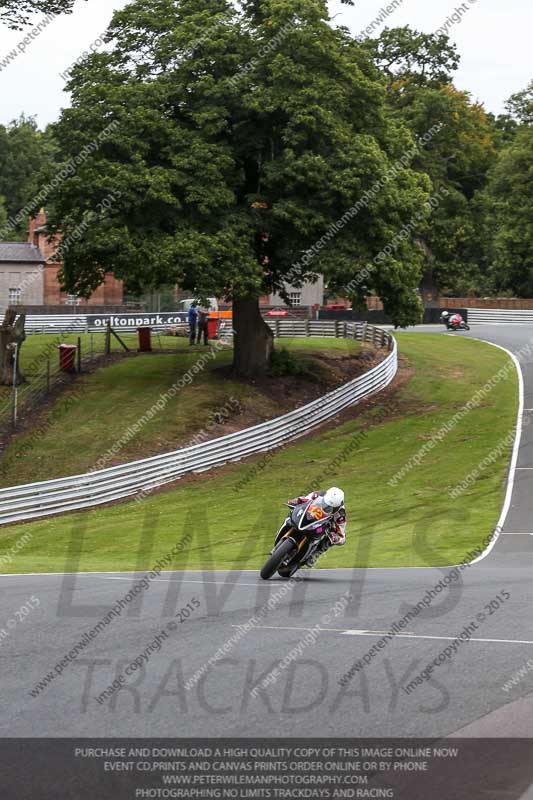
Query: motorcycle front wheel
280,554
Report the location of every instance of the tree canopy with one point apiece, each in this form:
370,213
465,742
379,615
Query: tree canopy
17,13
419,72
410,58
240,139
520,105
509,225
26,156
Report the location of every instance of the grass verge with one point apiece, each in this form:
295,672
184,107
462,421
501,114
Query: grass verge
101,419
412,523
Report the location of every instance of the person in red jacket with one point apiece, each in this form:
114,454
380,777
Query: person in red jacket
334,503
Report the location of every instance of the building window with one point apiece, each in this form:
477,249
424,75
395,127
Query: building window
295,298
15,296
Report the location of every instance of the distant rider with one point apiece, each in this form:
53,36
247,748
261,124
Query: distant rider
333,503
455,321
451,320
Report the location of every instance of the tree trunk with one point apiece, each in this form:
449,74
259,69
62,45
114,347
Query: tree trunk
11,334
254,341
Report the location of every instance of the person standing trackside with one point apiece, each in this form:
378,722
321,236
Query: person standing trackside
203,316
192,317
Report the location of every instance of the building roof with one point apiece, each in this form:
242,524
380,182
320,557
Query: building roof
21,252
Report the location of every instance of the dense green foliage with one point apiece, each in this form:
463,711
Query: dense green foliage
237,151
16,13
418,70
26,156
509,207
240,139
507,203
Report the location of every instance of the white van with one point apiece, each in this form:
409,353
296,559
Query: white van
184,305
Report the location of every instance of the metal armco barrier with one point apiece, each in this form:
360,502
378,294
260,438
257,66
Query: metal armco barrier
127,480
481,315
339,329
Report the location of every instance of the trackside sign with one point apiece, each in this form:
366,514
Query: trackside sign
136,320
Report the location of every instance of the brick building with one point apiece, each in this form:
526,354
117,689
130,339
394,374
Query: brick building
29,274
110,293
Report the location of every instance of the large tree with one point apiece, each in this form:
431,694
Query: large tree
418,71
409,58
26,156
520,105
240,138
509,203
509,207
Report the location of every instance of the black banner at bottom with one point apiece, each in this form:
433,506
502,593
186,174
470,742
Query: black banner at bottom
288,769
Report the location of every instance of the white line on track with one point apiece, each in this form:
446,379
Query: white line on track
187,580
350,632
514,458
225,572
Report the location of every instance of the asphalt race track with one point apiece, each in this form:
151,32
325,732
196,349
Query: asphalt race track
463,697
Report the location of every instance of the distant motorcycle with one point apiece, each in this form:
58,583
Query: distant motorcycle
299,537
455,323
458,325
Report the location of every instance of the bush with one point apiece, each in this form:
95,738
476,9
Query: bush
283,362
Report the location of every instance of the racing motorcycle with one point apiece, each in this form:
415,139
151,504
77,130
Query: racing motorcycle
459,326
456,323
299,538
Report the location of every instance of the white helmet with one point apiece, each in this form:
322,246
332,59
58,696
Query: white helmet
334,498
445,314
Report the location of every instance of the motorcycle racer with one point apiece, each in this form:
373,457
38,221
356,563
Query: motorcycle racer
334,501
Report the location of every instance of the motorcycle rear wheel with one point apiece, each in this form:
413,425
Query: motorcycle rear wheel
280,554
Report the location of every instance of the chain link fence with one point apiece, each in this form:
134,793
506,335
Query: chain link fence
40,365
